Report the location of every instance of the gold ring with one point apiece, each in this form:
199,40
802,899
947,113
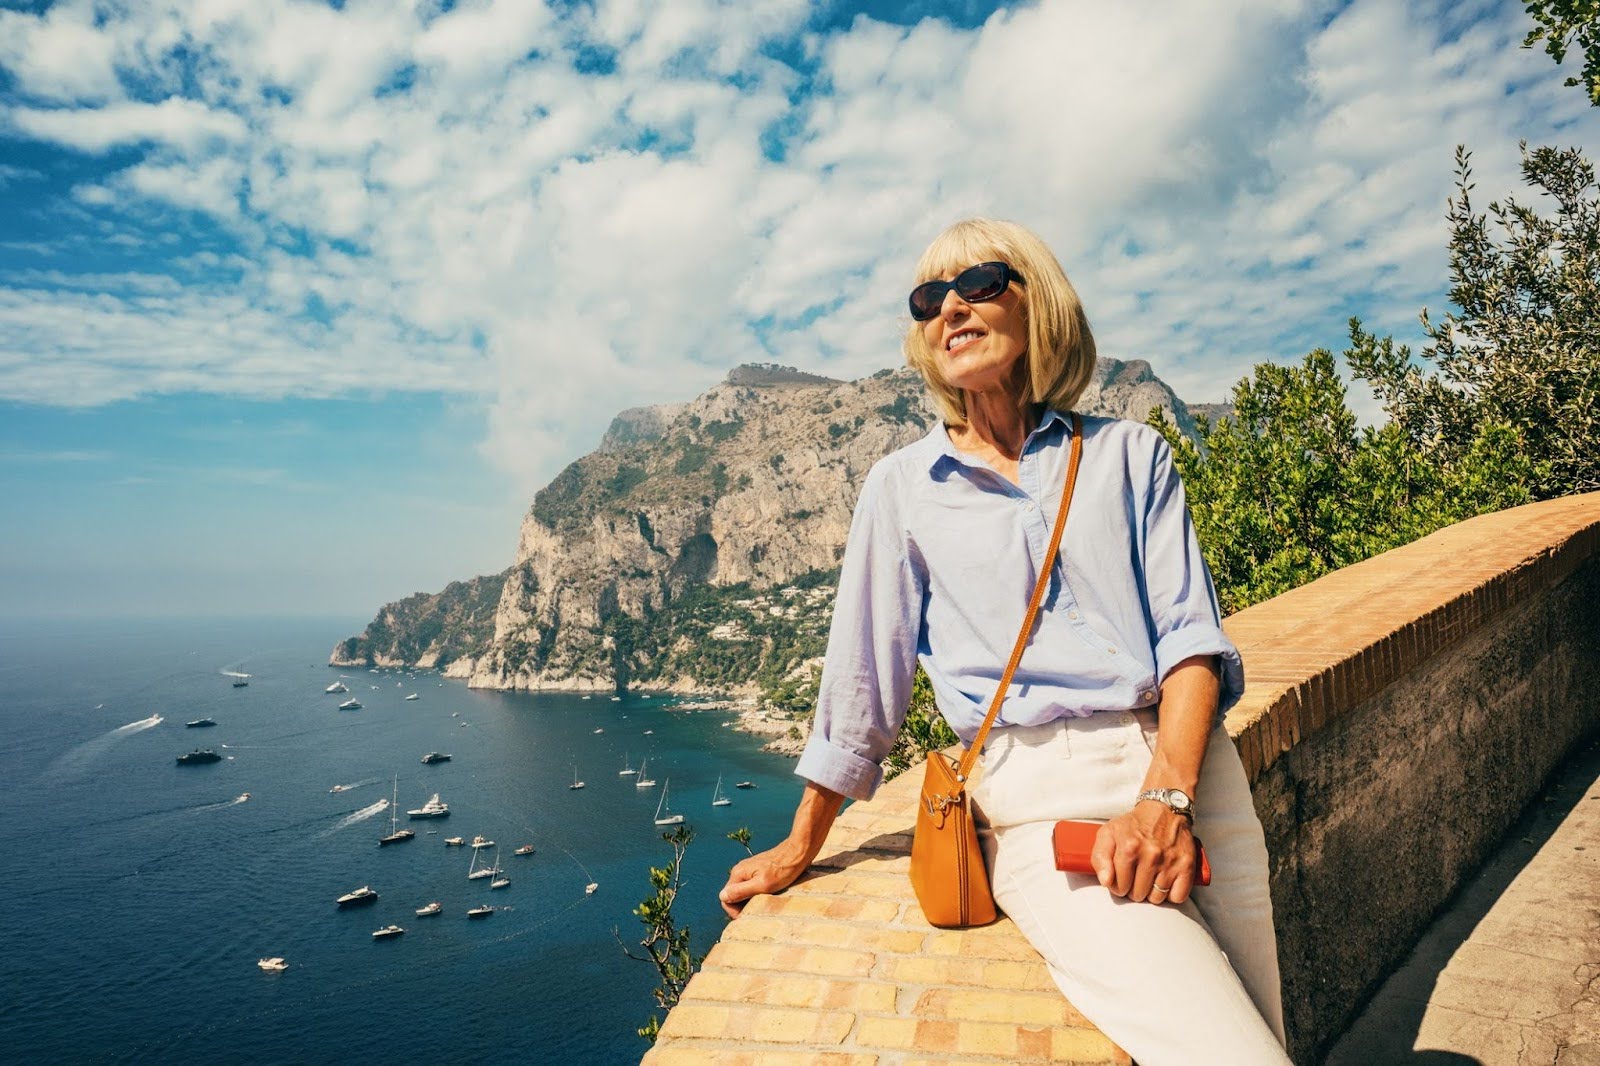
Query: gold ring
1159,887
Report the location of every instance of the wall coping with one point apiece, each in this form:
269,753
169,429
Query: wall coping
843,968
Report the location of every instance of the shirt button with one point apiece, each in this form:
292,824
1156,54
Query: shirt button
1147,696
1028,506
1072,615
1111,651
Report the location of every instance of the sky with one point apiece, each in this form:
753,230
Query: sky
301,302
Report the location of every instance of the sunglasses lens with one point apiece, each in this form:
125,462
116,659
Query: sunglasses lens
927,299
982,282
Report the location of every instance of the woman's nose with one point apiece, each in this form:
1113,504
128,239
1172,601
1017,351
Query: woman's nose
953,305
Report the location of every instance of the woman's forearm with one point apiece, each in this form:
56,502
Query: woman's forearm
1188,712
812,819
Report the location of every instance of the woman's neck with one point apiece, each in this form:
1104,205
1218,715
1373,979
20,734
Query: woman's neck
996,423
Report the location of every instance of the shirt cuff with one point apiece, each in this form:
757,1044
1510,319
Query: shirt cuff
1203,639
826,764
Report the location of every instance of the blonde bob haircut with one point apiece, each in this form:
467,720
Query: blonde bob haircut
1060,355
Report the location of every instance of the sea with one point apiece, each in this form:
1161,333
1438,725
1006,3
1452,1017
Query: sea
140,894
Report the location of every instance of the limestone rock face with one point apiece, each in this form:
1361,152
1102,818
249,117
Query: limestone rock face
752,483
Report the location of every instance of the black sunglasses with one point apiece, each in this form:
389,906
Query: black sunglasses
975,284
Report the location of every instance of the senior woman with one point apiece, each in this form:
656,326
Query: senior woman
1114,713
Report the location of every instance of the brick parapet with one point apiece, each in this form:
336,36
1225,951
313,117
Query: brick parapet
842,968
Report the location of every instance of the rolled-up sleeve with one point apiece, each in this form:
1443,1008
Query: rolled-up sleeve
1178,589
872,646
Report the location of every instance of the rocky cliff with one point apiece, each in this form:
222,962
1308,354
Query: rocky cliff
697,547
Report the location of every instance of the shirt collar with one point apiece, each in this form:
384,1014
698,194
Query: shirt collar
940,450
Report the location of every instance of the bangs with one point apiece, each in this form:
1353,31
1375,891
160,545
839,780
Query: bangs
957,248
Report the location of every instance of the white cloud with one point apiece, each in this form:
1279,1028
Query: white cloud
476,202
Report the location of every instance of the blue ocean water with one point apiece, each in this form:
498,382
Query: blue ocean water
141,893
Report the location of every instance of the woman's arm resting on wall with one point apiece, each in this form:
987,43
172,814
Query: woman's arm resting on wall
1151,844
779,867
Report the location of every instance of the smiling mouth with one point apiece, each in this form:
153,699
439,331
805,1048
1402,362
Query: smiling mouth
958,340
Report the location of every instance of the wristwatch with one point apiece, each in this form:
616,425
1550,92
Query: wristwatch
1175,798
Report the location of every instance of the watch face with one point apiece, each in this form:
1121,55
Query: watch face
1179,799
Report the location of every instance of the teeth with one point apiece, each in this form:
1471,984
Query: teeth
961,338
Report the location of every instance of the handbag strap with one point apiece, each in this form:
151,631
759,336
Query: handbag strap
976,746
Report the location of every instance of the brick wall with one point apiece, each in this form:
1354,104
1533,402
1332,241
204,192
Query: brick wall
1392,678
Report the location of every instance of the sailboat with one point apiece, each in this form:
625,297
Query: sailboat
473,873
717,798
626,771
643,780
575,782
500,880
663,817
396,834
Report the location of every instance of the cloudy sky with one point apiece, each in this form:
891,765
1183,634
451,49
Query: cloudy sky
300,302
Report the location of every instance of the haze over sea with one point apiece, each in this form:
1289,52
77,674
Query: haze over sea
141,893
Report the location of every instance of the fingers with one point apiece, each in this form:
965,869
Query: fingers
1144,866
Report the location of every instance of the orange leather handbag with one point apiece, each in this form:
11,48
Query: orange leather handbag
947,869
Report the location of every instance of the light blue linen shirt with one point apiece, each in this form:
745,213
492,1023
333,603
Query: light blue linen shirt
942,556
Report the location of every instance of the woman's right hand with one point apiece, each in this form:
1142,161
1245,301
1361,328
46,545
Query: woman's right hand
764,873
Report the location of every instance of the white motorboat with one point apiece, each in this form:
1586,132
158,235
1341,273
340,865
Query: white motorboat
351,704
482,842
664,815
413,696
454,842
434,808
337,686
364,894
598,731
273,965
386,932
430,910
481,912
526,849
588,890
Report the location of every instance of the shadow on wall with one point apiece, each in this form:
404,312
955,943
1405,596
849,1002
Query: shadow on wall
1389,1027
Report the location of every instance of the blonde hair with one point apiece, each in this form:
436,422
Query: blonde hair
1061,350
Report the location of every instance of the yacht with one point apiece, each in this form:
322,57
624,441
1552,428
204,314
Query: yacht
199,755
430,910
338,788
413,696
364,894
626,771
454,842
576,784
526,849
644,780
500,880
386,932
200,722
337,686
717,798
481,842
480,912
351,704
396,834
241,680
434,808
435,756
664,815
744,784
599,731
273,965
588,890
474,873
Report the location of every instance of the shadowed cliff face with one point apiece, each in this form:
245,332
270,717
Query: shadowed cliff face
748,487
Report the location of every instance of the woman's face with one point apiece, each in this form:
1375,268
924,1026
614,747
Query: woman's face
979,345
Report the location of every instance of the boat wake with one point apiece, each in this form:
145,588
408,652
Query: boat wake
222,804
78,759
357,816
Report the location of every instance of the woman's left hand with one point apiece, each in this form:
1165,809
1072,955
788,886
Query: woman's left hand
1146,854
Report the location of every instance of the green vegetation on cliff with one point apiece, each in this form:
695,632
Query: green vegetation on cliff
456,622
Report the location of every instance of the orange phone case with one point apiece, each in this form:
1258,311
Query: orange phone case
1075,840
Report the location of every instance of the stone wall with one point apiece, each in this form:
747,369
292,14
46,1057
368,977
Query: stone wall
1398,714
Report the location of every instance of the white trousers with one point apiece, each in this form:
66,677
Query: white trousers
1190,984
